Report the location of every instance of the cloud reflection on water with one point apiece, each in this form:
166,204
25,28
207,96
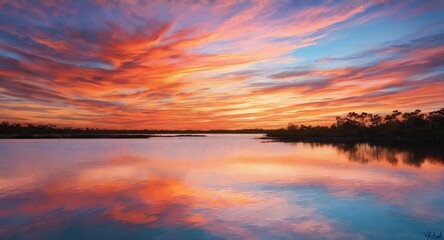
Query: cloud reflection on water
252,195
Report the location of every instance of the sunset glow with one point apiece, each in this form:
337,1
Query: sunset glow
217,64
284,188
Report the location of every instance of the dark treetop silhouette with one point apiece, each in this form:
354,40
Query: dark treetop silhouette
397,126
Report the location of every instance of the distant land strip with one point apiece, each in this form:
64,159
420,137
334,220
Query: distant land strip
55,136
354,127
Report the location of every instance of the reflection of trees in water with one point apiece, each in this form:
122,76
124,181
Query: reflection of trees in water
413,154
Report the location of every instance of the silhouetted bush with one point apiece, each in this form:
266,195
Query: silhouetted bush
366,126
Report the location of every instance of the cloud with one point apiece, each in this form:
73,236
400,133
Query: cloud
193,63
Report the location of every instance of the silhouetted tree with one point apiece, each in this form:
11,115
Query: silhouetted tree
395,126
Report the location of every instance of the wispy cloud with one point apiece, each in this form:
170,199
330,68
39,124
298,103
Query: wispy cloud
215,64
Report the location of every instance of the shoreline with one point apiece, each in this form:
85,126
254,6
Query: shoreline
352,140
91,136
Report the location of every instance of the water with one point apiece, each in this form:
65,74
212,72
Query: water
218,187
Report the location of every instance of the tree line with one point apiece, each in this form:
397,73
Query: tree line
414,125
23,130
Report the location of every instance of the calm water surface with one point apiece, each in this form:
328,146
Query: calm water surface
218,187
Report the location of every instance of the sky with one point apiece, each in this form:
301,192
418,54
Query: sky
217,64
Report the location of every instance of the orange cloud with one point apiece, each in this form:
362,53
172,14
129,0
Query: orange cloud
204,65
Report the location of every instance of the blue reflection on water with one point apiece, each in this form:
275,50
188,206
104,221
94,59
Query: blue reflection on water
219,187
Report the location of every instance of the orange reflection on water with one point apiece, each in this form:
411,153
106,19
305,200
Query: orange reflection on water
232,194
